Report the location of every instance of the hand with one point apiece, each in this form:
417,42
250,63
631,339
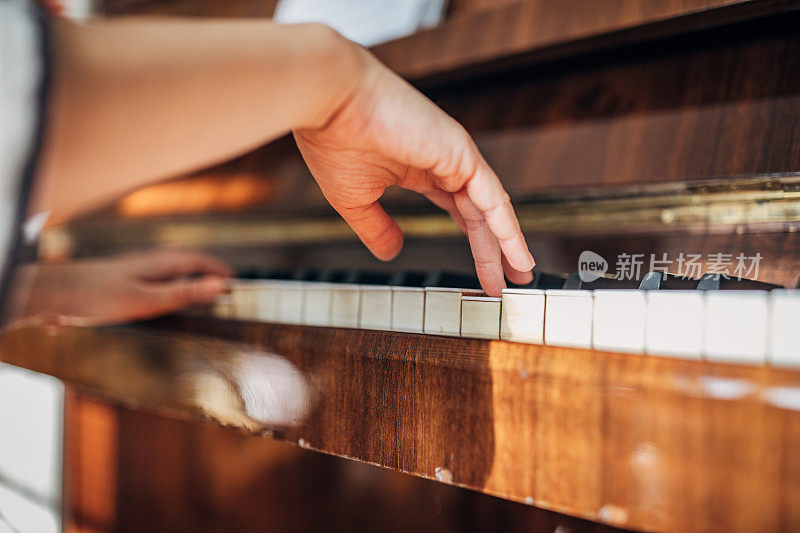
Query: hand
119,289
387,133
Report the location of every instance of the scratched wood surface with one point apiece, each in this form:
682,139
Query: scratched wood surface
133,470
628,440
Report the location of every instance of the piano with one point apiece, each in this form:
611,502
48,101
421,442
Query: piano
648,378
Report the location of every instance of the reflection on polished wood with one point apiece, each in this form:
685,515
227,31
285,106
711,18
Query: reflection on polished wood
167,475
480,32
537,30
634,441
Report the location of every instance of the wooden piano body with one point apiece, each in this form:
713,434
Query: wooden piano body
639,128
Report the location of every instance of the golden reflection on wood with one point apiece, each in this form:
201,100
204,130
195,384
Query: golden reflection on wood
182,476
769,201
90,490
209,193
635,441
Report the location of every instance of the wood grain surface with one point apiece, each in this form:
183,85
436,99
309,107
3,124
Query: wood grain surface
162,474
632,441
477,34
509,33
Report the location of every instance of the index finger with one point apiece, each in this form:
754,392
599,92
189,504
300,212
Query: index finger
166,264
489,196
461,167
485,250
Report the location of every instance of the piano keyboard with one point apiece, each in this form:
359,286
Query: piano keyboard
734,326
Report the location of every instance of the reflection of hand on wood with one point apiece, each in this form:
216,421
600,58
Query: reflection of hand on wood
117,289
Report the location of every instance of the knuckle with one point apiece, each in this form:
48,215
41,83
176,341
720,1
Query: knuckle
455,170
507,239
502,204
474,224
485,264
381,232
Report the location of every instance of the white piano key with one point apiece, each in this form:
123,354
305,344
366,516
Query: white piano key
290,302
317,304
618,320
480,317
675,323
243,299
223,306
266,300
443,310
568,318
345,303
376,307
408,309
784,329
736,326
522,318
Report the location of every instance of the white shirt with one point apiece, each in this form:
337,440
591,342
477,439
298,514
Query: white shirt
22,79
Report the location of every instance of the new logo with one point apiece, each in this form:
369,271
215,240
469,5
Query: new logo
591,266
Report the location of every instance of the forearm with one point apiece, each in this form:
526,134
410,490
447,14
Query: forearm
140,100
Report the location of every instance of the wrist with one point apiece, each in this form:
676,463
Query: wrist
339,68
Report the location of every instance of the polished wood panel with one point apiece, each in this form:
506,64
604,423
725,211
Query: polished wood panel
537,30
91,448
720,104
629,440
170,475
478,33
189,8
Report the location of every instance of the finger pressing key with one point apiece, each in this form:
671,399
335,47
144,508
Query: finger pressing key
484,245
488,195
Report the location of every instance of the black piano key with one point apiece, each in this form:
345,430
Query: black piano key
544,281
574,282
709,282
541,280
712,282
277,274
664,281
673,282
409,279
452,280
334,276
307,275
250,273
373,278
651,281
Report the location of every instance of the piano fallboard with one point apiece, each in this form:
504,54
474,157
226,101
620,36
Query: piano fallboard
630,440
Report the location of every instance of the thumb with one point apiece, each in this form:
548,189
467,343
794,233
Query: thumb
376,229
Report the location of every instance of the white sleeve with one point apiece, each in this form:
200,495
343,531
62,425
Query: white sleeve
23,65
